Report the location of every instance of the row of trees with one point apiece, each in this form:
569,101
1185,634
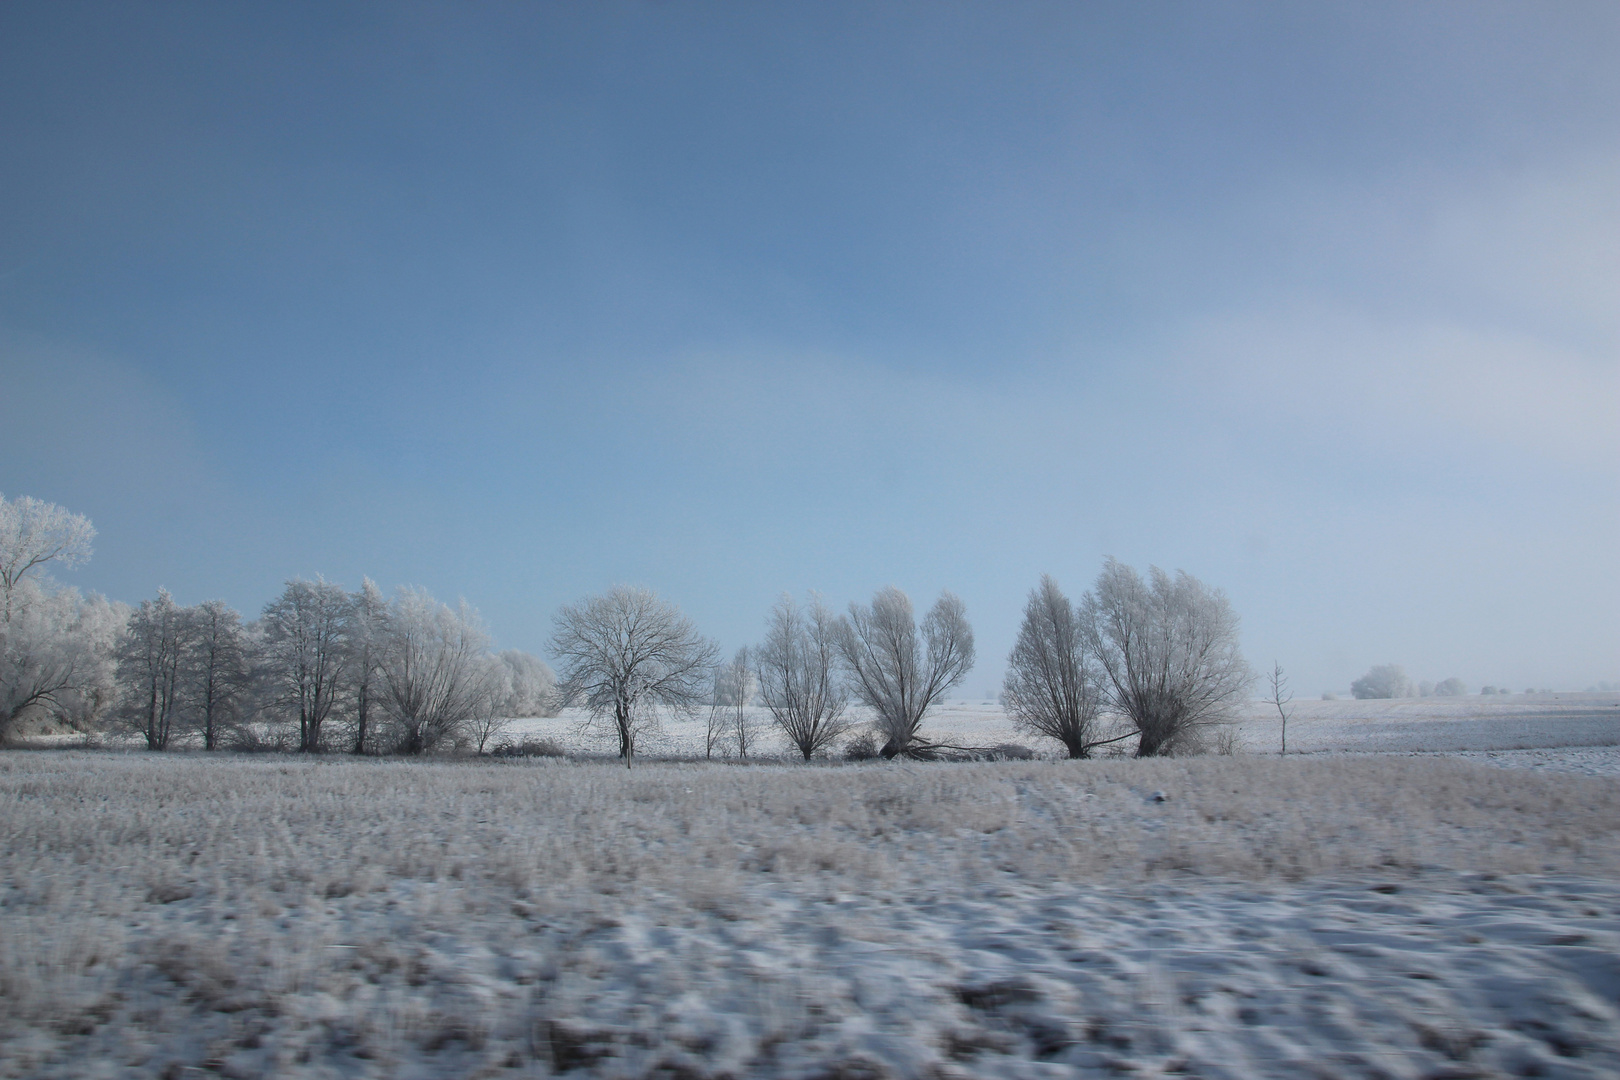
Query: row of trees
321,668
1391,681
1152,659
628,655
333,670
1157,657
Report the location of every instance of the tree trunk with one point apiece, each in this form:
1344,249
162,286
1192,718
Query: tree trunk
360,716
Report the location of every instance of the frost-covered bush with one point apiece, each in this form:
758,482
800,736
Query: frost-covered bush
532,747
863,747
1382,681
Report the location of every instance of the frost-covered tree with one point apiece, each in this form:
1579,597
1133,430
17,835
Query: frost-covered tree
151,657
734,687
797,668
1452,687
58,655
56,649
1382,681
33,533
1052,683
519,685
304,651
1279,699
214,668
627,654
527,685
714,732
437,676
490,718
368,621
898,673
1170,654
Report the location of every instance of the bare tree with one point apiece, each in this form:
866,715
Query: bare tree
1281,695
627,654
32,533
734,688
437,677
490,718
305,648
1052,686
719,716
898,674
366,637
798,677
214,666
1169,650
150,659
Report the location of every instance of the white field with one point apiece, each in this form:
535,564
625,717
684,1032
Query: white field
1579,732
1329,915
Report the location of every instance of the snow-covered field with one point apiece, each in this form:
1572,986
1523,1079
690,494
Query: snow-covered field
1580,732
1327,915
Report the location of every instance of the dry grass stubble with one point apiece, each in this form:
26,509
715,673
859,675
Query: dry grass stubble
338,916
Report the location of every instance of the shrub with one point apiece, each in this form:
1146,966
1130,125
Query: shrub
1382,681
538,747
862,747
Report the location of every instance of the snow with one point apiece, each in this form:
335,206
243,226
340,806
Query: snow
1581,729
1336,914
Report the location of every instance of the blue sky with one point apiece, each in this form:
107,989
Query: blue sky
1319,303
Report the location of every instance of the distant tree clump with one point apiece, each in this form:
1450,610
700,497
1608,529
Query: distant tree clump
1452,687
527,685
1382,681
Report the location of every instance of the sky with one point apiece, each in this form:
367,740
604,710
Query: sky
1319,303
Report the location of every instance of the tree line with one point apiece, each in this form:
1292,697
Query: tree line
1154,660
320,668
1384,681
1157,657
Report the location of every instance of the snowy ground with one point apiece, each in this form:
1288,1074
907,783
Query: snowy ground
1577,732
1333,915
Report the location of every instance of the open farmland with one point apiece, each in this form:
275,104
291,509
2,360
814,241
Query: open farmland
1564,723
1329,916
